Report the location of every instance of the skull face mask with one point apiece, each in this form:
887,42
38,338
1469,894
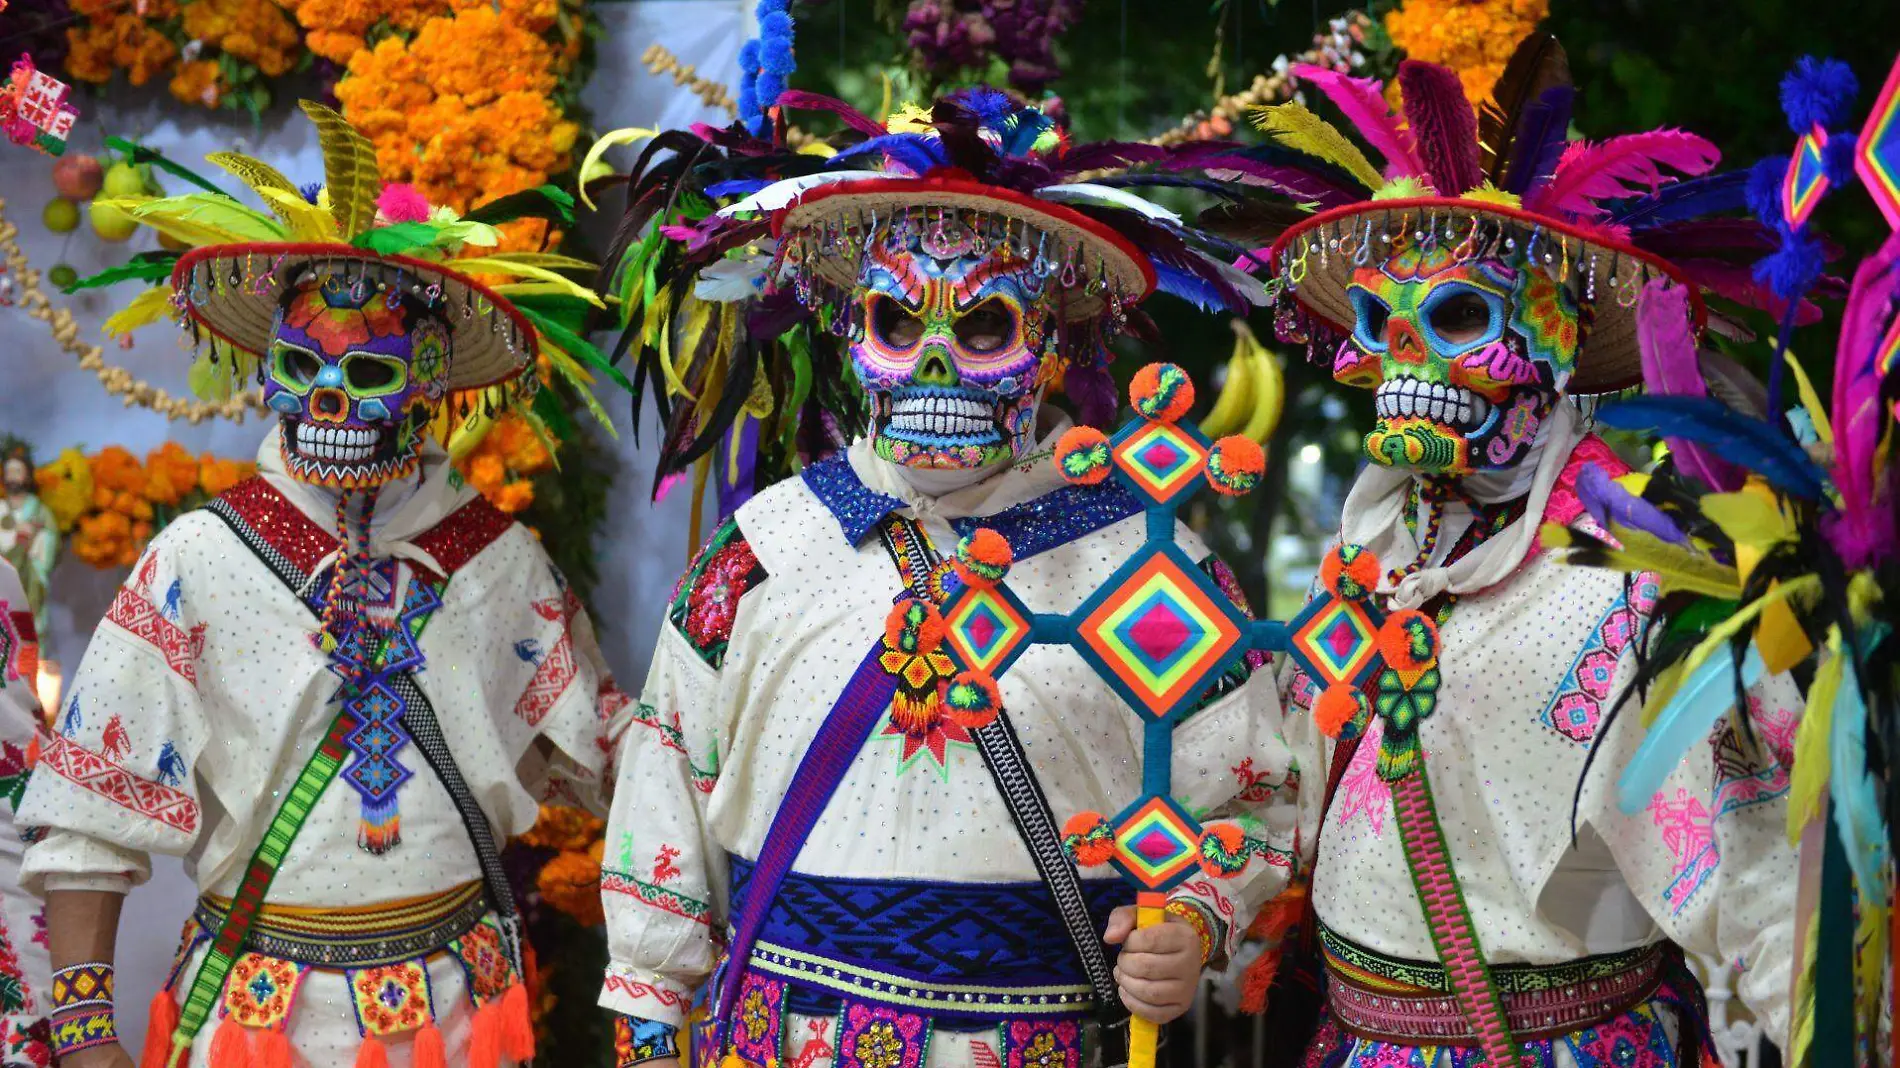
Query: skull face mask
355,372
1468,357
953,349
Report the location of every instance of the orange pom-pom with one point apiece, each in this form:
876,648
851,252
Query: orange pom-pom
1409,640
914,626
429,1051
161,1020
1223,850
1082,455
1350,572
1235,465
1340,711
230,1046
371,1054
1162,392
1089,839
972,700
983,558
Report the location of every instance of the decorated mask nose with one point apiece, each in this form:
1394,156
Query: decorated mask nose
952,354
355,374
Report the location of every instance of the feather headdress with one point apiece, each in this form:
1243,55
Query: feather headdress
737,255
226,285
1501,179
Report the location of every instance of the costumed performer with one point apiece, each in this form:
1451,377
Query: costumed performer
1479,893
838,849
29,536
339,687
26,974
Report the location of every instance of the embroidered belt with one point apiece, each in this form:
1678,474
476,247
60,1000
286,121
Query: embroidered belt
1411,1002
986,950
357,937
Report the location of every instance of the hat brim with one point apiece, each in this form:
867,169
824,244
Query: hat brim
1103,250
234,292
1609,359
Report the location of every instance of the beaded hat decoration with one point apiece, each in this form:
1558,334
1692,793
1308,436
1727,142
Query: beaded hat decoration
354,231
739,300
1504,181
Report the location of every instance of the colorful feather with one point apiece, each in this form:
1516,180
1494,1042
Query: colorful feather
1534,69
1444,128
1713,194
1706,693
1752,443
800,100
1854,790
1609,503
1666,338
1675,567
1292,124
1808,780
349,167
1363,102
1863,534
917,153
1626,166
1541,136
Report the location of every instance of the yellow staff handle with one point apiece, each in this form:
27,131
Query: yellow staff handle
1144,1035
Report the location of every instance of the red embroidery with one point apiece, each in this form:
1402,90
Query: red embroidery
550,681
1255,788
93,772
686,908
464,534
141,618
663,866
611,699
118,744
714,600
620,984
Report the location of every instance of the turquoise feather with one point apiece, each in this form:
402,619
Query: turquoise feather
1704,697
1855,792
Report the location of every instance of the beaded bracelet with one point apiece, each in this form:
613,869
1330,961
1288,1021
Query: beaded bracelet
638,1041
83,1029
1198,920
83,986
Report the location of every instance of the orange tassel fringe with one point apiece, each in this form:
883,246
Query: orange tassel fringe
230,1046
517,1025
371,1054
162,1020
1276,923
429,1050
484,1036
270,1048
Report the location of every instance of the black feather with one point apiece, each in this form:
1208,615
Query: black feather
1538,65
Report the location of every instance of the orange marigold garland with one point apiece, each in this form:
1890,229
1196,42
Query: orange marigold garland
1474,39
503,465
212,53
109,504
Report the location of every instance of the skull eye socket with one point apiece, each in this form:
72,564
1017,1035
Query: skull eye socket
987,327
1461,318
1370,315
373,374
294,367
893,325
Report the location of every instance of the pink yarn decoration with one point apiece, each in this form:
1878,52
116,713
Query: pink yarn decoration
402,202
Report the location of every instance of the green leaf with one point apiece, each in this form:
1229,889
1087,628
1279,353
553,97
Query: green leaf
542,202
153,266
396,238
137,154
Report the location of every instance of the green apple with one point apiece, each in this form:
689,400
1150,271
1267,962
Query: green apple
61,215
111,223
125,180
62,275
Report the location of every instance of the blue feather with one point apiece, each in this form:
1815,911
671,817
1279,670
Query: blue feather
1737,438
1855,793
1188,287
918,153
1542,132
1681,201
736,187
1025,128
1703,698
987,104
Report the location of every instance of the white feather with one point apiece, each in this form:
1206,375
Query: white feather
779,194
732,279
1085,192
1250,287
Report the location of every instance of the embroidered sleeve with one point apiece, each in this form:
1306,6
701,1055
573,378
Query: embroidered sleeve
570,698
1709,856
637,1041
706,601
663,875
114,781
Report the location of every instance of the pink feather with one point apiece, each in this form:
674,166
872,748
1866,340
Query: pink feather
1670,366
402,202
1737,282
1363,102
1864,531
1443,125
1626,166
800,100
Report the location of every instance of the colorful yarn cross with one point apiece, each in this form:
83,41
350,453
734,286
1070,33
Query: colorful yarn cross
1158,631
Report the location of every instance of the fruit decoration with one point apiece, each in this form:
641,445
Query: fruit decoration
78,176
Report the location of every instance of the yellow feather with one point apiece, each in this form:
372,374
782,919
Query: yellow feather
1808,778
265,180
628,136
1817,413
496,265
1661,692
1299,129
200,219
1870,960
307,222
1801,1028
550,260
1676,567
698,314
566,366
146,308
349,167
1749,518
1745,615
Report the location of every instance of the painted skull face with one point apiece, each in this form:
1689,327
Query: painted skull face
1468,357
953,347
355,372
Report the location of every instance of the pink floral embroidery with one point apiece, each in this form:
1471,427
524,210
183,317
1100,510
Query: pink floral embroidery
1688,832
1361,791
1775,726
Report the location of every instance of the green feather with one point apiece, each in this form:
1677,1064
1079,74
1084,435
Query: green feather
542,202
138,154
396,238
153,266
576,346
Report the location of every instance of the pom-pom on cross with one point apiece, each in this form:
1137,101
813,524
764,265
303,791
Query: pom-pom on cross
1160,633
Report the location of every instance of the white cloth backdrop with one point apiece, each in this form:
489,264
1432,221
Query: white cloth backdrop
50,402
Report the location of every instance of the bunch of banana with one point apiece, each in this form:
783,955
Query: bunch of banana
1254,394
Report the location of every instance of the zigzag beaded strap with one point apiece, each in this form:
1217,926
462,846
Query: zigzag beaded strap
1453,934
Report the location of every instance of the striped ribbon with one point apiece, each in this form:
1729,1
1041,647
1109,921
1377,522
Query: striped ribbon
1455,936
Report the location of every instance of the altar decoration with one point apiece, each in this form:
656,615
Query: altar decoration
34,108
1475,39
212,53
109,504
503,464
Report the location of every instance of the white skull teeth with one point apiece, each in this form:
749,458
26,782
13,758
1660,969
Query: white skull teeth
337,444
1412,398
942,416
